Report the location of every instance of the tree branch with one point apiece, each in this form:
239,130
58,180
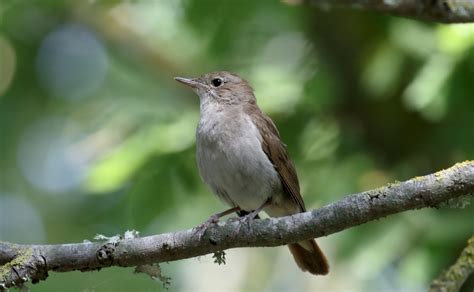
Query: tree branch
21,263
452,279
446,11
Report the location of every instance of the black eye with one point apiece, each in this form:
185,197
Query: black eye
216,82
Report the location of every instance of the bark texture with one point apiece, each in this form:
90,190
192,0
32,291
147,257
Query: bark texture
21,263
445,11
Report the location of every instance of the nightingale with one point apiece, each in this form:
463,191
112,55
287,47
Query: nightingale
242,159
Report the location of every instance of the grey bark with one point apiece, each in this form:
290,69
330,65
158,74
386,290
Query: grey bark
20,263
446,11
452,279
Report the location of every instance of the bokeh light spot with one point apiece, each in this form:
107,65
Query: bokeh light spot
425,93
7,64
20,222
279,73
116,169
377,79
46,156
455,39
71,62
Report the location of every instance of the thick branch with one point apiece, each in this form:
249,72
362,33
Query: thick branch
447,11
22,262
452,279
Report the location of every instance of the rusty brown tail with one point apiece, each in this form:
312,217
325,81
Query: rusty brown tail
309,257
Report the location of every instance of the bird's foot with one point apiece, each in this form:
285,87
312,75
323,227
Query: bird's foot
246,219
201,229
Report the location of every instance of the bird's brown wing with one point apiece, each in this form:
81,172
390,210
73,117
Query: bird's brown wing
277,153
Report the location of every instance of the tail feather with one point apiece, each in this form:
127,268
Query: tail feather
309,257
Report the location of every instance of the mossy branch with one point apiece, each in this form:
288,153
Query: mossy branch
452,279
445,11
20,263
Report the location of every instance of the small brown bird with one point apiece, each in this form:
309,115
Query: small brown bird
241,157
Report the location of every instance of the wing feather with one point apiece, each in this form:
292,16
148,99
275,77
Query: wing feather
277,153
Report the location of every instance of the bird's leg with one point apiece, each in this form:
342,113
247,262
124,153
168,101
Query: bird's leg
243,213
215,218
254,214
201,229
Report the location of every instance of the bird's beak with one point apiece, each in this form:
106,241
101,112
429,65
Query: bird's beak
189,82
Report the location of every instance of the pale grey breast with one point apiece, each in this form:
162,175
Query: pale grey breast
231,160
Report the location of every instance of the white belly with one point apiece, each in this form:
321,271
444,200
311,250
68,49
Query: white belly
231,161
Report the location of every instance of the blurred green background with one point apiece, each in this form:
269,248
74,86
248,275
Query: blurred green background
97,137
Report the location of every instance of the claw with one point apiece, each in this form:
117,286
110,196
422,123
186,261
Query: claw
201,229
246,219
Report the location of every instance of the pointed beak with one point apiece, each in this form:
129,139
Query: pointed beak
193,83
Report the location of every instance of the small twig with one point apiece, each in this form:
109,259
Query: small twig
452,279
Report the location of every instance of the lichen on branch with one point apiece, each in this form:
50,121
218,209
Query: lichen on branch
21,263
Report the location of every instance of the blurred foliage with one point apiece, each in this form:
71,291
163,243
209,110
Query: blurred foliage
97,137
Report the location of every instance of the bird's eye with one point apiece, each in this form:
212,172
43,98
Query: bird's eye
216,82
